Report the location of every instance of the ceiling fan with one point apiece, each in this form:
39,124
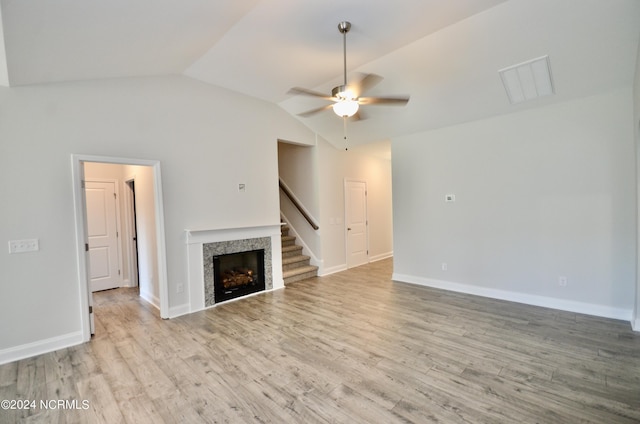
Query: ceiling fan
347,98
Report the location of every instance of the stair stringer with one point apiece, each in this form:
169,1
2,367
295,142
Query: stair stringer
313,259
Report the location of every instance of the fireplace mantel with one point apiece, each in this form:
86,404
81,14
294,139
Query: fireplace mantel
195,239
226,234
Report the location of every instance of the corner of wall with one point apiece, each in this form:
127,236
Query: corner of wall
150,298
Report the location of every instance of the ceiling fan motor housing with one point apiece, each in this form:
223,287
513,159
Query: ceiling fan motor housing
343,92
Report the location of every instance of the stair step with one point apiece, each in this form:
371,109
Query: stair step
288,240
301,273
293,259
295,265
293,262
288,251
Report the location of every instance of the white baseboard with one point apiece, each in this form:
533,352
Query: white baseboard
127,283
42,346
322,271
381,256
150,298
635,323
278,283
543,301
176,311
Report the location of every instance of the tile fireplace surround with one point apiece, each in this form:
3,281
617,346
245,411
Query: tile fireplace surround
202,245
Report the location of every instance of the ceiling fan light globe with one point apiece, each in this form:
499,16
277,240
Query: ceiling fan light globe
346,108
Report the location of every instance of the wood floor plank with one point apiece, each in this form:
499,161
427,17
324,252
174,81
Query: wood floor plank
103,406
352,347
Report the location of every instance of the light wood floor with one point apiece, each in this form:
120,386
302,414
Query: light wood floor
353,347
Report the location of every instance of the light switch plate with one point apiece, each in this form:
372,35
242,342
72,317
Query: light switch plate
23,246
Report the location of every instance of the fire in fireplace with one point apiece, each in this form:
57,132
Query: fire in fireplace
238,274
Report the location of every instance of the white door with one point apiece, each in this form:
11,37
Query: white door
102,234
356,221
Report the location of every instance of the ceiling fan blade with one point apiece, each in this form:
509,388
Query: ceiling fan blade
307,92
314,111
392,101
367,82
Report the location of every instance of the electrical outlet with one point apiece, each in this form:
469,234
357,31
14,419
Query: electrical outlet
444,266
23,246
180,288
562,281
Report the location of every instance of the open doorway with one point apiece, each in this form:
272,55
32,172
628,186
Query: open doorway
131,220
141,264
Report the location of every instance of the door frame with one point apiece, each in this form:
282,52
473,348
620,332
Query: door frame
77,174
346,218
130,230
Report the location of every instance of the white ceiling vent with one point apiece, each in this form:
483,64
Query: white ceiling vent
528,80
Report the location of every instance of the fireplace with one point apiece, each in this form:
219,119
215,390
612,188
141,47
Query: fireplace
238,274
230,244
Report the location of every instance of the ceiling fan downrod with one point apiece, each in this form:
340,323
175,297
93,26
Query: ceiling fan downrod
344,27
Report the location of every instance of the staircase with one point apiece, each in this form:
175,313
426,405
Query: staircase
295,265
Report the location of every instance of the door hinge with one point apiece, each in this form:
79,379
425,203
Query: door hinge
118,272
82,184
114,196
86,247
90,309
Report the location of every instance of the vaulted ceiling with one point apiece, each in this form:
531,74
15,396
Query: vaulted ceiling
445,54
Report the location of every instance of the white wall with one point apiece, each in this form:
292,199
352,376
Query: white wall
542,193
334,166
207,139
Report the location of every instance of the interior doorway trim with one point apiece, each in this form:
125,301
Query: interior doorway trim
77,173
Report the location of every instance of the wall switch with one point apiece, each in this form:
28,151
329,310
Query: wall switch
180,288
562,281
449,198
444,266
23,246
242,187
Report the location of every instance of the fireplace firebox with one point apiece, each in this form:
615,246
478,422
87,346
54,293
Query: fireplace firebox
238,274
